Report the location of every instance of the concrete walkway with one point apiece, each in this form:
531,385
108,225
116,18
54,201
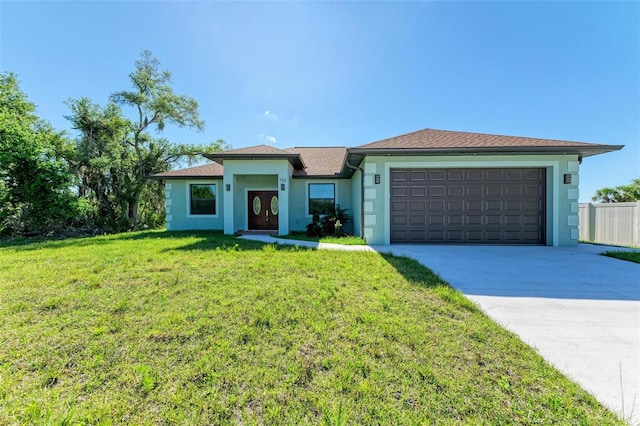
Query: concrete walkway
579,309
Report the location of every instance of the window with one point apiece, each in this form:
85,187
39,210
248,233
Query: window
203,199
322,198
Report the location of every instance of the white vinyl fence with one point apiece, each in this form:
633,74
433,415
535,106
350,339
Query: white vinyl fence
610,223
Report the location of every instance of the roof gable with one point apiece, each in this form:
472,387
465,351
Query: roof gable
450,141
320,161
211,170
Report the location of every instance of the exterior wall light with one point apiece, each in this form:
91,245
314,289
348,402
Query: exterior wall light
377,179
567,179
228,187
282,187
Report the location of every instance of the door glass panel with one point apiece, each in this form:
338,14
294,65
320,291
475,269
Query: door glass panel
274,205
257,205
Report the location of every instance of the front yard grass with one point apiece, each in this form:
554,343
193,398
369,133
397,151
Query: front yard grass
631,256
200,328
347,240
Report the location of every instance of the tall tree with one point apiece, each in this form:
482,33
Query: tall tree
115,155
619,194
35,181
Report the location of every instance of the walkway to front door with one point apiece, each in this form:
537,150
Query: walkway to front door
263,210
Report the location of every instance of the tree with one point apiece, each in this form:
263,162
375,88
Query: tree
115,155
619,194
35,181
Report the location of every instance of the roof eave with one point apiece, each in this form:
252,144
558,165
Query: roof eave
184,177
294,159
334,176
584,151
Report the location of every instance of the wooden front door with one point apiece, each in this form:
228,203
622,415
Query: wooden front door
263,210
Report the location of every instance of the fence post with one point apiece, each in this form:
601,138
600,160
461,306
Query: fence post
636,225
591,222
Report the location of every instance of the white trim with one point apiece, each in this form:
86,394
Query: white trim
306,193
188,203
502,164
246,204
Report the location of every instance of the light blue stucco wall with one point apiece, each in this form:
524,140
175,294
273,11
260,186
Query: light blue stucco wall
244,175
561,201
261,174
177,206
356,202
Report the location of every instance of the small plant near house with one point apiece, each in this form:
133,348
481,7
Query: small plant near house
330,224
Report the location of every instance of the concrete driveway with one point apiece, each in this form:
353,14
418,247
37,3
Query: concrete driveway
580,310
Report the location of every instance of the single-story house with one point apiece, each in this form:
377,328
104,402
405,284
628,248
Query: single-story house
429,186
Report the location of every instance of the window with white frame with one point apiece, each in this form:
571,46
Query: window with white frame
202,199
322,198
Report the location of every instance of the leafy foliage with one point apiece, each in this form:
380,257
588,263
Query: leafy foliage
329,225
619,194
35,181
115,155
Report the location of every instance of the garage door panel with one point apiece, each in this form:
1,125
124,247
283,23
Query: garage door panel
436,175
418,176
454,219
399,191
455,175
398,176
417,220
514,174
492,191
473,191
513,191
436,206
532,191
495,175
436,236
533,174
455,191
474,175
455,205
436,191
418,191
418,206
468,205
474,219
436,219
398,220
399,206
493,205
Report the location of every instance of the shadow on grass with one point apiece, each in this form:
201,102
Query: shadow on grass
206,240
26,244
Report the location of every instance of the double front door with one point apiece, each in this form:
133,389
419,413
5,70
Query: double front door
263,210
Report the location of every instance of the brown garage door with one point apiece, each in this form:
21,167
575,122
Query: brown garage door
475,206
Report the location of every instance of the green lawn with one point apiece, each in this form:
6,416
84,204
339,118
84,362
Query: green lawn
199,328
346,240
631,256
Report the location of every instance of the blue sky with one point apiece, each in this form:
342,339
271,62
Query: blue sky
348,73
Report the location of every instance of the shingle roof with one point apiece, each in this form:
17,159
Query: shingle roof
330,161
429,138
320,161
208,170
